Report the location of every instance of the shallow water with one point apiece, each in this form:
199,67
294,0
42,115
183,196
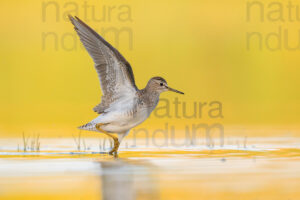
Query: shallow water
270,169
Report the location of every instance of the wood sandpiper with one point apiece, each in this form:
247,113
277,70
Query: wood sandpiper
123,106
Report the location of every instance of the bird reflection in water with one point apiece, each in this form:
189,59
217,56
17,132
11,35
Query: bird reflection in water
128,180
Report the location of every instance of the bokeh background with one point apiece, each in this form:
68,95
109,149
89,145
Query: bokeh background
49,86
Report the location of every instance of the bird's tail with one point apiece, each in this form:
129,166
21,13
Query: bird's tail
88,127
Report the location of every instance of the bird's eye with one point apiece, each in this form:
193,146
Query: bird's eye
161,84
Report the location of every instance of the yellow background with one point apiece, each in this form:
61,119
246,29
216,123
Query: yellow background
199,47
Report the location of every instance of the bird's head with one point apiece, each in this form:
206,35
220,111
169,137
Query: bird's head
160,85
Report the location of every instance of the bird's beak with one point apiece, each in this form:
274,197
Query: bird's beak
173,90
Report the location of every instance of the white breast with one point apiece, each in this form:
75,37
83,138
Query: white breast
123,115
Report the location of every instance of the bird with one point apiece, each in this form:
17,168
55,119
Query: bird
123,106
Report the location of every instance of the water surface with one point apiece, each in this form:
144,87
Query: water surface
230,172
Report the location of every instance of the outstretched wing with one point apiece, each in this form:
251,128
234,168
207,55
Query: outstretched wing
115,73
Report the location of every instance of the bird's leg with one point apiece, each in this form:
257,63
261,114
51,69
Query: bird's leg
116,146
116,141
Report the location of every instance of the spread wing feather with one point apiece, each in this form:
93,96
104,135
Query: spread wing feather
114,72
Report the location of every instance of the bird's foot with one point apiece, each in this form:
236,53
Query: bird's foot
114,151
114,154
